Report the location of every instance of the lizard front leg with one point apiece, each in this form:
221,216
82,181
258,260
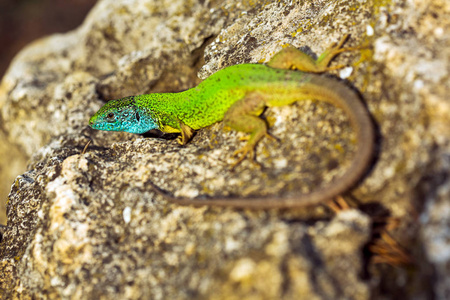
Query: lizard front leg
186,134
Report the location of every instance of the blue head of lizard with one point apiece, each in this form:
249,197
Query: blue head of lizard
123,115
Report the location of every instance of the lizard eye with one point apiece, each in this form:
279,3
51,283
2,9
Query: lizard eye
110,118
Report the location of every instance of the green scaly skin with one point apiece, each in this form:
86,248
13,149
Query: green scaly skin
238,95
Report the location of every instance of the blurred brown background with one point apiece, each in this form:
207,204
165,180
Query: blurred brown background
22,21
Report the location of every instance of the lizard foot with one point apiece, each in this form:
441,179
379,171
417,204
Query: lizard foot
242,153
249,149
180,140
324,60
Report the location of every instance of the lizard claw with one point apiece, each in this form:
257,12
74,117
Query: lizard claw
179,140
249,149
243,152
271,137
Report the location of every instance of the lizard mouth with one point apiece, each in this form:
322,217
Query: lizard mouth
92,123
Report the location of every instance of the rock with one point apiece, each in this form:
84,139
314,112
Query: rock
89,225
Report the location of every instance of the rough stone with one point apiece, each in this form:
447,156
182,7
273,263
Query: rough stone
89,225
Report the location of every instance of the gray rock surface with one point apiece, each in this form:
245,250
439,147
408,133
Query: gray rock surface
86,226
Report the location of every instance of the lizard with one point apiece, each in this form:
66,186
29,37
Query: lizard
238,95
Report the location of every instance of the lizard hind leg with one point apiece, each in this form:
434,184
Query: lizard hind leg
293,58
243,116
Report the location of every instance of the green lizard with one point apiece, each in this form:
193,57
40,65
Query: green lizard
238,95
